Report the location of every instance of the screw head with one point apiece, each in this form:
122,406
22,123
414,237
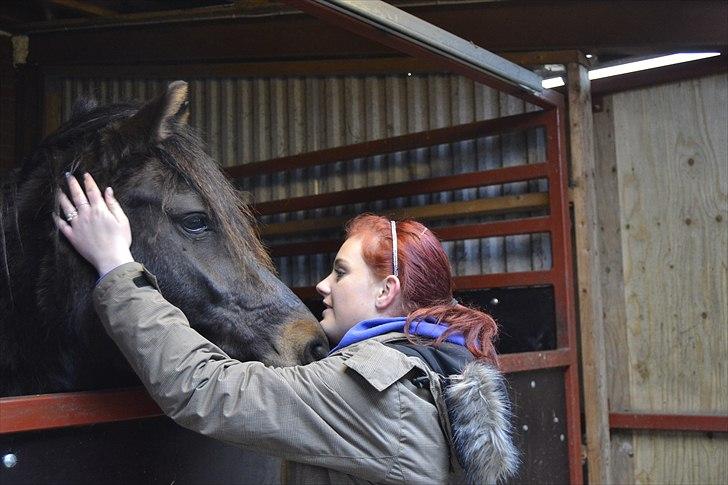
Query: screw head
494,301
10,460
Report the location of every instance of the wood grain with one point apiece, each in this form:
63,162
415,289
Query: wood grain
672,165
495,205
612,288
588,274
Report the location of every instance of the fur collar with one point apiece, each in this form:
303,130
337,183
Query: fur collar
480,418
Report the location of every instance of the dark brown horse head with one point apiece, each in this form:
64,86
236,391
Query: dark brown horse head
190,227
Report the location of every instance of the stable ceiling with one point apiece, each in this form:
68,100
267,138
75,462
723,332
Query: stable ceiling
93,32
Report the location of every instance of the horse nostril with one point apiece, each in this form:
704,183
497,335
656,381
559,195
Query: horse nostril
316,350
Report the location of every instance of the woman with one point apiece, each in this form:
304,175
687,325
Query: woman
366,413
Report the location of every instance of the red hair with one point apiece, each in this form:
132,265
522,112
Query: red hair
425,279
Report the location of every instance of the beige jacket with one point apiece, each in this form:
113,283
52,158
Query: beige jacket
353,417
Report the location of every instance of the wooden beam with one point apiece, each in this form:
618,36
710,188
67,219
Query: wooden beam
527,225
49,411
593,362
474,282
61,410
224,34
466,131
84,7
394,64
511,363
404,189
669,422
490,206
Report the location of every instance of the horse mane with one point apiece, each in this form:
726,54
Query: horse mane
83,144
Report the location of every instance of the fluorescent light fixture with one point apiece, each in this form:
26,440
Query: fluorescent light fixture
553,82
648,64
635,66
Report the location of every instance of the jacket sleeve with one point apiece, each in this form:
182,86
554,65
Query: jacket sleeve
318,414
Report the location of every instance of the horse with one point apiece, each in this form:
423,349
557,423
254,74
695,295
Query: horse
191,228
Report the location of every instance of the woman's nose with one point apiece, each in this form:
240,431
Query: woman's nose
323,287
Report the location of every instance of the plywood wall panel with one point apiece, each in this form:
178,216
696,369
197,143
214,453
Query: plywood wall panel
673,195
612,280
680,458
664,183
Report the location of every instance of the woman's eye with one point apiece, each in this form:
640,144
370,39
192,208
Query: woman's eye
195,223
339,273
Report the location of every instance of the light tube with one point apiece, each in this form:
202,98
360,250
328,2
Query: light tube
635,66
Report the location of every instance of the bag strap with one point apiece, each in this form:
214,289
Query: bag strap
445,360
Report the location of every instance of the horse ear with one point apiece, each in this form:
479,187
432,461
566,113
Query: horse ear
157,118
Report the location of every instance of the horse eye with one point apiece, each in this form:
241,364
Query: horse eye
195,223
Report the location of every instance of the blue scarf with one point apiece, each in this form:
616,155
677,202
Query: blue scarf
379,326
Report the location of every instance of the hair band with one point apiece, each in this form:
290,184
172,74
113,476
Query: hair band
395,263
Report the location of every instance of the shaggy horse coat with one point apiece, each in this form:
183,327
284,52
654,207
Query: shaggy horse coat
190,227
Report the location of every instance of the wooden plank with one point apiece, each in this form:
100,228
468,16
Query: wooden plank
395,64
8,100
84,7
612,288
225,34
320,67
403,189
49,411
53,411
409,45
564,303
528,225
511,363
473,282
51,107
495,205
672,156
588,265
669,422
388,145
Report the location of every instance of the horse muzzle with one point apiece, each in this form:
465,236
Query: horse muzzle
302,342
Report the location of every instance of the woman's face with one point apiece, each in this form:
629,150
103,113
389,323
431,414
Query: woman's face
349,292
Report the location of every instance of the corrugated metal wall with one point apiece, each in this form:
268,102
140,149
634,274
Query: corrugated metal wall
246,120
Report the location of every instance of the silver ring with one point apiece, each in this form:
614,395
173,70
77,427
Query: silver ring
71,216
83,203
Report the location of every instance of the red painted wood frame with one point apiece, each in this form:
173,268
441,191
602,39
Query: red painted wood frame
668,422
42,412
557,223
74,409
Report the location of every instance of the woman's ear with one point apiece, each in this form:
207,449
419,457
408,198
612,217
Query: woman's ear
388,298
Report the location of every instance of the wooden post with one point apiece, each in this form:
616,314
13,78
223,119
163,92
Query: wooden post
591,320
51,106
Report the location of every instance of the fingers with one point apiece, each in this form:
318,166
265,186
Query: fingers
66,204
92,190
63,226
113,205
77,195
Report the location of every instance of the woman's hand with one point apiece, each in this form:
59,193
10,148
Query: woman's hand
95,225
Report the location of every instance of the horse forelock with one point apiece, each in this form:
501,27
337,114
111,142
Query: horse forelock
183,153
78,146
